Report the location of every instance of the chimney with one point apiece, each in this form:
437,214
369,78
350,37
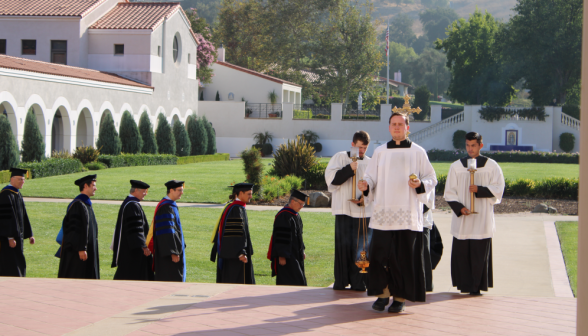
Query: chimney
220,52
399,76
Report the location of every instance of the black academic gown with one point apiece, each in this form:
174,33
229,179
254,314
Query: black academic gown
287,242
80,233
129,240
234,241
167,240
14,223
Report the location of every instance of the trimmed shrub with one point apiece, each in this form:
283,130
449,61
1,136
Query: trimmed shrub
520,187
5,176
52,167
182,140
567,142
146,131
459,140
273,187
295,157
315,177
132,160
86,154
211,134
95,166
557,187
421,99
203,158
253,167
108,139
491,113
62,154
33,146
396,101
8,149
317,147
510,156
130,138
217,96
440,187
166,143
197,135
267,149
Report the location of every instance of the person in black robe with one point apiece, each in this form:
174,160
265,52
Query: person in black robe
166,237
231,240
131,255
14,226
79,248
286,249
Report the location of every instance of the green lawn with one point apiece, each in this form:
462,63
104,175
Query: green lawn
445,104
198,225
568,238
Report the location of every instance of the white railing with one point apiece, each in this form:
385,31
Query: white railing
443,124
570,121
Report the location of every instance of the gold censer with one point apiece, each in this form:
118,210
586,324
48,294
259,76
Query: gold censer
362,263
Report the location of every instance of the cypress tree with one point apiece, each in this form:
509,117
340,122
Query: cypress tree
108,141
8,149
33,146
197,135
129,135
217,96
146,132
211,134
182,141
164,136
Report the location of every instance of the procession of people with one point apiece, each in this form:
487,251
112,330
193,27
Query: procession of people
383,208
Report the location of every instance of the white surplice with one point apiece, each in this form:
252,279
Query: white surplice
428,216
397,206
341,194
480,225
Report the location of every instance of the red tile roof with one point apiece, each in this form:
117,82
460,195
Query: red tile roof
255,73
48,7
16,63
383,79
136,15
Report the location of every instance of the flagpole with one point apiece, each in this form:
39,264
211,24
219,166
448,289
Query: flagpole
388,63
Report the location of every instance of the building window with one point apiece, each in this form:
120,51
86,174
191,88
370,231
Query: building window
159,51
29,47
119,49
2,47
188,58
175,53
59,52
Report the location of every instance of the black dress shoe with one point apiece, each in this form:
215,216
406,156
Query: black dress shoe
477,293
380,304
396,307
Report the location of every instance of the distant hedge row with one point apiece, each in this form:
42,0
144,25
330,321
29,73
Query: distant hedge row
132,160
52,167
203,158
511,156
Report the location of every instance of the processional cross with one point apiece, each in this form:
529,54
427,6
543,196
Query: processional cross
406,110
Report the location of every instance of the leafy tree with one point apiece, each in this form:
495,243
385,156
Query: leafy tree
435,21
207,10
421,99
474,61
211,134
421,44
429,69
8,149
542,44
182,141
166,143
400,30
206,52
108,140
146,131
401,58
197,135
33,146
130,138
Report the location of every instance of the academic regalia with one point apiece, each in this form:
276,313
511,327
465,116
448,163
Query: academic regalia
80,233
471,255
287,242
166,238
396,254
230,240
348,218
14,223
128,242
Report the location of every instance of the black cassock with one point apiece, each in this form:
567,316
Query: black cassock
80,233
168,240
287,242
130,234
14,223
234,241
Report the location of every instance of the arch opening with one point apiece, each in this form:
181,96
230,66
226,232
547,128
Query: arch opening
8,111
84,130
60,131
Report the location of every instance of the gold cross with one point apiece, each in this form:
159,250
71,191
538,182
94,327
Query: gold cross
406,110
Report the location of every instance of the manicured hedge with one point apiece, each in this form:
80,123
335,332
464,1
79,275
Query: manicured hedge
131,160
52,167
203,158
512,156
4,176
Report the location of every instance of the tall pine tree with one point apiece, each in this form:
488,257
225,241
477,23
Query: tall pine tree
166,143
197,135
130,138
146,132
8,149
211,134
182,141
108,140
33,146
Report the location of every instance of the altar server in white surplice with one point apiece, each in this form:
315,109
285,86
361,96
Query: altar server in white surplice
471,254
348,215
396,254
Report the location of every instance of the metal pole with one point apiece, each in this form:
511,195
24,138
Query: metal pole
388,64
